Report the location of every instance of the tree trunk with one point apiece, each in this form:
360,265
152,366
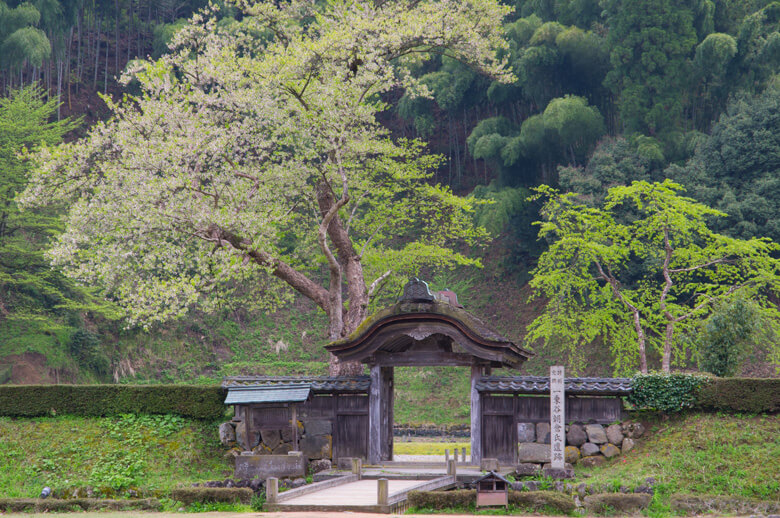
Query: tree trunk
666,358
349,269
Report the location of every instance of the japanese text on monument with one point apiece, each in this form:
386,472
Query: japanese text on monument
557,417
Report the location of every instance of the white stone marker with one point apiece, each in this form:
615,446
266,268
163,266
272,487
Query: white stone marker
557,417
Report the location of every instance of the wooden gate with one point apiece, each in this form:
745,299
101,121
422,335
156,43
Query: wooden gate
350,434
499,433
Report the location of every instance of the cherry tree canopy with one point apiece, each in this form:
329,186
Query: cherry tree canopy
252,158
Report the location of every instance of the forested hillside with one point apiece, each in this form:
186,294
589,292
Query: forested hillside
581,95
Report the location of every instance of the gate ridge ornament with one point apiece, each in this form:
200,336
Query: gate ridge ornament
416,291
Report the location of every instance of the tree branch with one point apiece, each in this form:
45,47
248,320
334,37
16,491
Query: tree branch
298,281
377,282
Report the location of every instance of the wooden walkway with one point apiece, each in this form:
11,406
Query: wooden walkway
350,493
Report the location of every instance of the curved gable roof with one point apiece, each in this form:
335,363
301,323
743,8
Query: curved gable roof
459,337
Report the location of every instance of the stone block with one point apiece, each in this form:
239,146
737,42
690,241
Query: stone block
317,427
320,465
571,454
543,433
489,465
246,441
596,434
627,446
271,438
316,446
576,435
634,430
589,449
527,469
559,474
615,434
283,448
610,450
566,465
287,435
265,466
526,432
344,463
227,433
533,452
595,460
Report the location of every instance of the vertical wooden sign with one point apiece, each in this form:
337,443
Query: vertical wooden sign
557,417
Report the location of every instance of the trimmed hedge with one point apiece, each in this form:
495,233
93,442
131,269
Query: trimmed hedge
709,504
666,392
98,400
754,395
202,495
21,505
621,503
464,498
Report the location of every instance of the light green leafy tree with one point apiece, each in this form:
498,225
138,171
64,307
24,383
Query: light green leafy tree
253,157
639,281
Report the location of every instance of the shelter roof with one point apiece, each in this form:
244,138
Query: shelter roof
268,394
316,383
421,329
541,385
491,475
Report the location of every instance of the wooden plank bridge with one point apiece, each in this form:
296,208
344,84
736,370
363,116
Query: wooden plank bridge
353,493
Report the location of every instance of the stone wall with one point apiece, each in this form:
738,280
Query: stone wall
586,444
315,439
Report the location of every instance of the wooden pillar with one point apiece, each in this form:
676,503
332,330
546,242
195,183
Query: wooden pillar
382,491
294,424
272,490
476,417
388,403
380,415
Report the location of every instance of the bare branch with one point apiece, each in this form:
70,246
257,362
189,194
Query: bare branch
377,282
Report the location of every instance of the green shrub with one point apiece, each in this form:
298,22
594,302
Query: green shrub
753,395
100,400
442,499
203,495
20,505
709,504
617,503
726,335
464,498
542,500
666,392
85,346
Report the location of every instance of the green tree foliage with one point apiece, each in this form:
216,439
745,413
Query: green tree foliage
37,303
736,169
566,131
254,162
587,274
650,44
726,336
21,41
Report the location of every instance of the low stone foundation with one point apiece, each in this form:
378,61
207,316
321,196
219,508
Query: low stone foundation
586,444
315,439
265,466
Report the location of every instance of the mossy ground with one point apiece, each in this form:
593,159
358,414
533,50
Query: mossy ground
712,454
114,455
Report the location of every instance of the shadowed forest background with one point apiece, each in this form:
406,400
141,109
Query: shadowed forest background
605,93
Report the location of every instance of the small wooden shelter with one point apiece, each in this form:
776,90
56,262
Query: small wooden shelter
422,329
492,489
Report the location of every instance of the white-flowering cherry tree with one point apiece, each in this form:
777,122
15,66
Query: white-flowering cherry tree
252,159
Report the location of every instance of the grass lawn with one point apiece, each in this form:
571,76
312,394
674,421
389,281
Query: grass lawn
702,454
112,455
428,448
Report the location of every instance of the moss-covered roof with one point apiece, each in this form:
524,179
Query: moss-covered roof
432,316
